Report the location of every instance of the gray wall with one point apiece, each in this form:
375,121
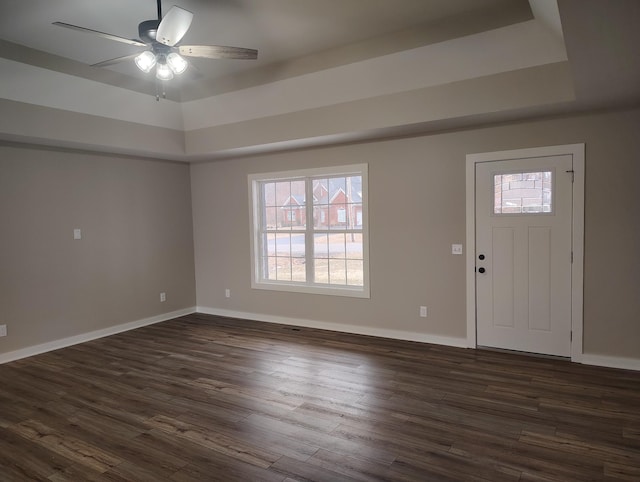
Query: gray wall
417,210
137,241
138,234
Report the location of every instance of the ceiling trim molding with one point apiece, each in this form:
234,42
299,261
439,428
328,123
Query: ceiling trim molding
49,88
505,49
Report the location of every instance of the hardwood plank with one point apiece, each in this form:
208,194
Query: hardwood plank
74,449
359,469
530,461
128,471
220,467
22,460
322,440
307,472
262,439
215,441
454,465
575,445
620,471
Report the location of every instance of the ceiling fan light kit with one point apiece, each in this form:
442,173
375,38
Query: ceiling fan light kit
166,65
161,39
176,63
146,61
163,72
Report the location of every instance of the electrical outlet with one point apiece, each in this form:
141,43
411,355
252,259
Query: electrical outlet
227,293
163,297
456,249
3,330
423,311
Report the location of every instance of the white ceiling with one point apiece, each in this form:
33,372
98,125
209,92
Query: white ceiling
315,55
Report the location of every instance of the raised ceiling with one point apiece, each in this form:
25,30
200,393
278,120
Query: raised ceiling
328,71
282,30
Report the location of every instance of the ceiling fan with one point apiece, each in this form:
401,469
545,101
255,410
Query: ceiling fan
161,38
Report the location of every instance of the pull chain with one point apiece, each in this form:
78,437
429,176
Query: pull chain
160,90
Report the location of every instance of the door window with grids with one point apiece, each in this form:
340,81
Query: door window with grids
310,231
523,192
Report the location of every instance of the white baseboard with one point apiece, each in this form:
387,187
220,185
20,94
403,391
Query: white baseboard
92,335
340,327
587,359
611,361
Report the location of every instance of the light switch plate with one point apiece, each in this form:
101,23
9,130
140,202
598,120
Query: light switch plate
3,330
456,249
77,233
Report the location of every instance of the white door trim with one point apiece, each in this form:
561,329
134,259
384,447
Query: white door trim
577,269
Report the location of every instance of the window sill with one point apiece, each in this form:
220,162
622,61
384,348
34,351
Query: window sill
349,292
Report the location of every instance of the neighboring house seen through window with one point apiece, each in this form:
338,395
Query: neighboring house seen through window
310,231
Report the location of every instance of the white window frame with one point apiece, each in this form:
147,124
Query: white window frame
308,287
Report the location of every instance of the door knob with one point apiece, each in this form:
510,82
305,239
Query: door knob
481,257
481,270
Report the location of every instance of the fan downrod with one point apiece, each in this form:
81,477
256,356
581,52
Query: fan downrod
148,29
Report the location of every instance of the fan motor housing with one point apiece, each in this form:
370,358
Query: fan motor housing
147,31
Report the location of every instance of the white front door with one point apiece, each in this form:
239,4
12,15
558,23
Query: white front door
523,254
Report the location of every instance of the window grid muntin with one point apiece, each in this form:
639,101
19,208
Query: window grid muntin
546,197
281,192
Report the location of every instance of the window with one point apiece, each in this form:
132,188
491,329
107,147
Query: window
321,246
522,193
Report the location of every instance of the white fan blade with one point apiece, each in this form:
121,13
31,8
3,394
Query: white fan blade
173,26
217,52
109,36
106,63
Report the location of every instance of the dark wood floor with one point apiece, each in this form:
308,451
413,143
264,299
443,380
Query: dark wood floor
205,398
